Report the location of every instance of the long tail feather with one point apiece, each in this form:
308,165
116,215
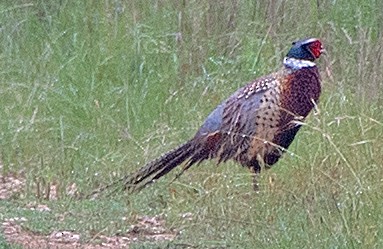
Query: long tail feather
159,167
154,169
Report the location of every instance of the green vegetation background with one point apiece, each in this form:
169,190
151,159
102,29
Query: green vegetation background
92,90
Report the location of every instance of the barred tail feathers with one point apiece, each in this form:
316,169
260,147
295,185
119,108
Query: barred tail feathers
161,166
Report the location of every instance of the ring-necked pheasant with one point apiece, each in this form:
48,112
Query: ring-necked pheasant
255,125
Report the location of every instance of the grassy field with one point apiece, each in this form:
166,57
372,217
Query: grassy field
92,90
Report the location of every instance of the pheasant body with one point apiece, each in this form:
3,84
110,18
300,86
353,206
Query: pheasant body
255,125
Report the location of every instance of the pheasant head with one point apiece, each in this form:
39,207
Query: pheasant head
306,49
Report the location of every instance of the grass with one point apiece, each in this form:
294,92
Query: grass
91,90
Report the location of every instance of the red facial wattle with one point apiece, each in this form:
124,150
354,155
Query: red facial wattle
316,48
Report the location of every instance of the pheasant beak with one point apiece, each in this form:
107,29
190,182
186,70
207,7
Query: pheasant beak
323,51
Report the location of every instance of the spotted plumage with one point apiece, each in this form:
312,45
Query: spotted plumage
255,125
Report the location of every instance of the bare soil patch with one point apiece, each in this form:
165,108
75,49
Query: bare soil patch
146,229
10,185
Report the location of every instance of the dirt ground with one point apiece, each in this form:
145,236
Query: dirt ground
147,228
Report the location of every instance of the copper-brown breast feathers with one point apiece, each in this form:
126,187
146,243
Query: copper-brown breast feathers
300,91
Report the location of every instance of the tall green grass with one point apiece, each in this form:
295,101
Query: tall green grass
92,90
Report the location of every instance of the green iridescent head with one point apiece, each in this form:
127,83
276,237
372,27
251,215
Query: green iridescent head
306,49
